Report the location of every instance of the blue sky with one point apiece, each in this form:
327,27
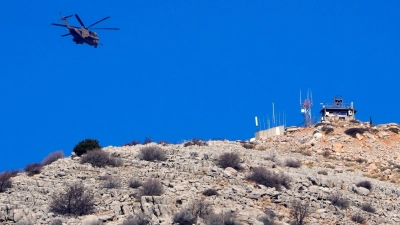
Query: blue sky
183,69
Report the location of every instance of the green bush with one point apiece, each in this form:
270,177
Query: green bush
86,145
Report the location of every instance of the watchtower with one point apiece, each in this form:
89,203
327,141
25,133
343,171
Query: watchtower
338,110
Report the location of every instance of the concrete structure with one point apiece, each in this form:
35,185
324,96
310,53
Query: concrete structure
338,111
274,131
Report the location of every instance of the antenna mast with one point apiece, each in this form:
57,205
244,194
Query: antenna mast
306,109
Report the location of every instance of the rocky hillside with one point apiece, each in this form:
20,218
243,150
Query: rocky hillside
342,172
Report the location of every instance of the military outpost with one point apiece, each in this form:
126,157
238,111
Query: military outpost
336,111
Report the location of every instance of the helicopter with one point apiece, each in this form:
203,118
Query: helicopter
82,34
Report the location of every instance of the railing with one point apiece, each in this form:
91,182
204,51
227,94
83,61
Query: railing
336,106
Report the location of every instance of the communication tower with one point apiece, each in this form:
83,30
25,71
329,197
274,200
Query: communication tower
305,110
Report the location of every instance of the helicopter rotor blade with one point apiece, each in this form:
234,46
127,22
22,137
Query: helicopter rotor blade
60,25
64,35
99,21
80,21
104,28
65,17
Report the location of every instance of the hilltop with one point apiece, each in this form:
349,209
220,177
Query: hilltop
327,166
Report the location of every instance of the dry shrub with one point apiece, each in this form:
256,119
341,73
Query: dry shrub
140,219
367,207
229,159
326,153
134,183
52,158
195,141
354,131
189,214
132,143
268,178
56,222
5,181
147,140
33,168
299,210
268,218
248,145
226,218
100,158
185,217
358,218
151,187
327,130
361,160
163,142
210,192
111,182
294,163
152,153
338,200
75,200
365,184
394,130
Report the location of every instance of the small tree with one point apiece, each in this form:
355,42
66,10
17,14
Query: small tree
299,211
86,145
75,200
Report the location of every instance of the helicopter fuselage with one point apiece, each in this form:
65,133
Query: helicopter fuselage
84,36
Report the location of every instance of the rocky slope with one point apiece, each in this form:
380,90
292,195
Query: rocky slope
331,162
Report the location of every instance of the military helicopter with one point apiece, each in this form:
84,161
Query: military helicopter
82,34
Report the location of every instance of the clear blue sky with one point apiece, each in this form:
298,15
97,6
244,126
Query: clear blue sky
183,69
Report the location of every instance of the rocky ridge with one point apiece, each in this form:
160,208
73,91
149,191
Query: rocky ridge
347,157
